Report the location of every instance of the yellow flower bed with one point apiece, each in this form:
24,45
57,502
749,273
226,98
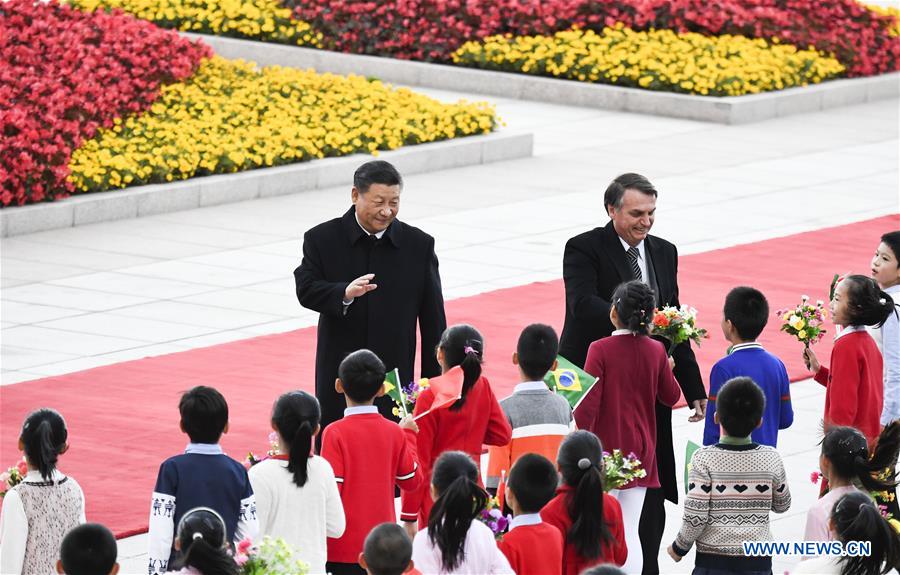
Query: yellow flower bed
888,11
232,116
261,19
655,60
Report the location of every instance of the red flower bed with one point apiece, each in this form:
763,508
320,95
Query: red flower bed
63,74
433,29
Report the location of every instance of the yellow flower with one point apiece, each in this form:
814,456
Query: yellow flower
801,334
231,116
655,59
260,19
797,322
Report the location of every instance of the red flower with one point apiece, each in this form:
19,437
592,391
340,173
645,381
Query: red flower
67,72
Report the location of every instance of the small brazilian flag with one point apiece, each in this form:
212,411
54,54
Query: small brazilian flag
569,381
392,389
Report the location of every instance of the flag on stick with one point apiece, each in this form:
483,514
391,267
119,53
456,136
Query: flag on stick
569,381
447,389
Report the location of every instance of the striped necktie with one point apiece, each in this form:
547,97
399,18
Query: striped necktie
633,255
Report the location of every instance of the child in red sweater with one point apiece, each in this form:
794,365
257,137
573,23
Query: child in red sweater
474,420
589,519
369,455
532,546
854,381
633,374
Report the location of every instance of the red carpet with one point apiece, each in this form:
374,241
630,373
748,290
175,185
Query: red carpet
123,418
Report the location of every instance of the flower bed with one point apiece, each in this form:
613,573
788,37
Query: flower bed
257,19
63,74
656,60
434,29
231,116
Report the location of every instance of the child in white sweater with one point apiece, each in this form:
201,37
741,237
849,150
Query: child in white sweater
297,497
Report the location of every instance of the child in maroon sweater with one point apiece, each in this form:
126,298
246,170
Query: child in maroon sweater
633,374
532,546
369,455
854,382
589,520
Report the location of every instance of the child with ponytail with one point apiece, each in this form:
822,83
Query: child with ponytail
474,420
633,374
454,541
856,518
201,540
854,380
38,512
297,497
845,464
589,519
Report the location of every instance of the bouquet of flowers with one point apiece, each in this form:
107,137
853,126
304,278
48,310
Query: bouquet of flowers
493,517
271,557
677,325
404,396
620,470
804,321
13,476
252,459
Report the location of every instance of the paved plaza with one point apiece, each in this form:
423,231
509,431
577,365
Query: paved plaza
88,296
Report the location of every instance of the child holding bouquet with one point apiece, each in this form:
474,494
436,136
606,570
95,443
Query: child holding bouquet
633,374
854,379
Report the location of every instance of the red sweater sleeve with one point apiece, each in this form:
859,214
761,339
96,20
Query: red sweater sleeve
498,431
408,475
667,391
613,512
588,410
844,385
411,501
332,453
821,376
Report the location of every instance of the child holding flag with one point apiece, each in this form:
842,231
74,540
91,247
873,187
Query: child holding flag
369,455
473,417
633,373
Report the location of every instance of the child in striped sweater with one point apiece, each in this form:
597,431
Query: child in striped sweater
732,487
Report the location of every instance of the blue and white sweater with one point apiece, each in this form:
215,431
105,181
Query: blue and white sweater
203,476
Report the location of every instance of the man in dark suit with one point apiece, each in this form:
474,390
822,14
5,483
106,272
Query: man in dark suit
594,263
371,277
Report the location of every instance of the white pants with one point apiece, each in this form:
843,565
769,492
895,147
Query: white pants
632,502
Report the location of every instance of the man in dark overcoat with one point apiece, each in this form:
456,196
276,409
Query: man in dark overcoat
594,264
372,278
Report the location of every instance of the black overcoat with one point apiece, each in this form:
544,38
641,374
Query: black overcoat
594,264
384,320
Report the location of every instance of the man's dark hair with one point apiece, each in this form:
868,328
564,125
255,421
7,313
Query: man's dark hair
204,414
533,480
537,349
740,405
89,549
362,375
616,190
376,172
387,550
747,310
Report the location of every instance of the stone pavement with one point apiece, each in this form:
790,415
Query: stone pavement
82,297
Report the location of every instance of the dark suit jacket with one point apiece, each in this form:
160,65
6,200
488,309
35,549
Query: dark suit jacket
594,264
384,320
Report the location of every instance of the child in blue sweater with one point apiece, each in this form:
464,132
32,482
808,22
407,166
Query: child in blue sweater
202,476
745,315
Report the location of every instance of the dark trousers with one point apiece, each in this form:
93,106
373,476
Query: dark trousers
651,527
344,568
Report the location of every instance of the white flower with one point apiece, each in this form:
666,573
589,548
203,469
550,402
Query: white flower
804,298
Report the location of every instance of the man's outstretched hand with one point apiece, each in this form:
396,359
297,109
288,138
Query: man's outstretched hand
359,287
